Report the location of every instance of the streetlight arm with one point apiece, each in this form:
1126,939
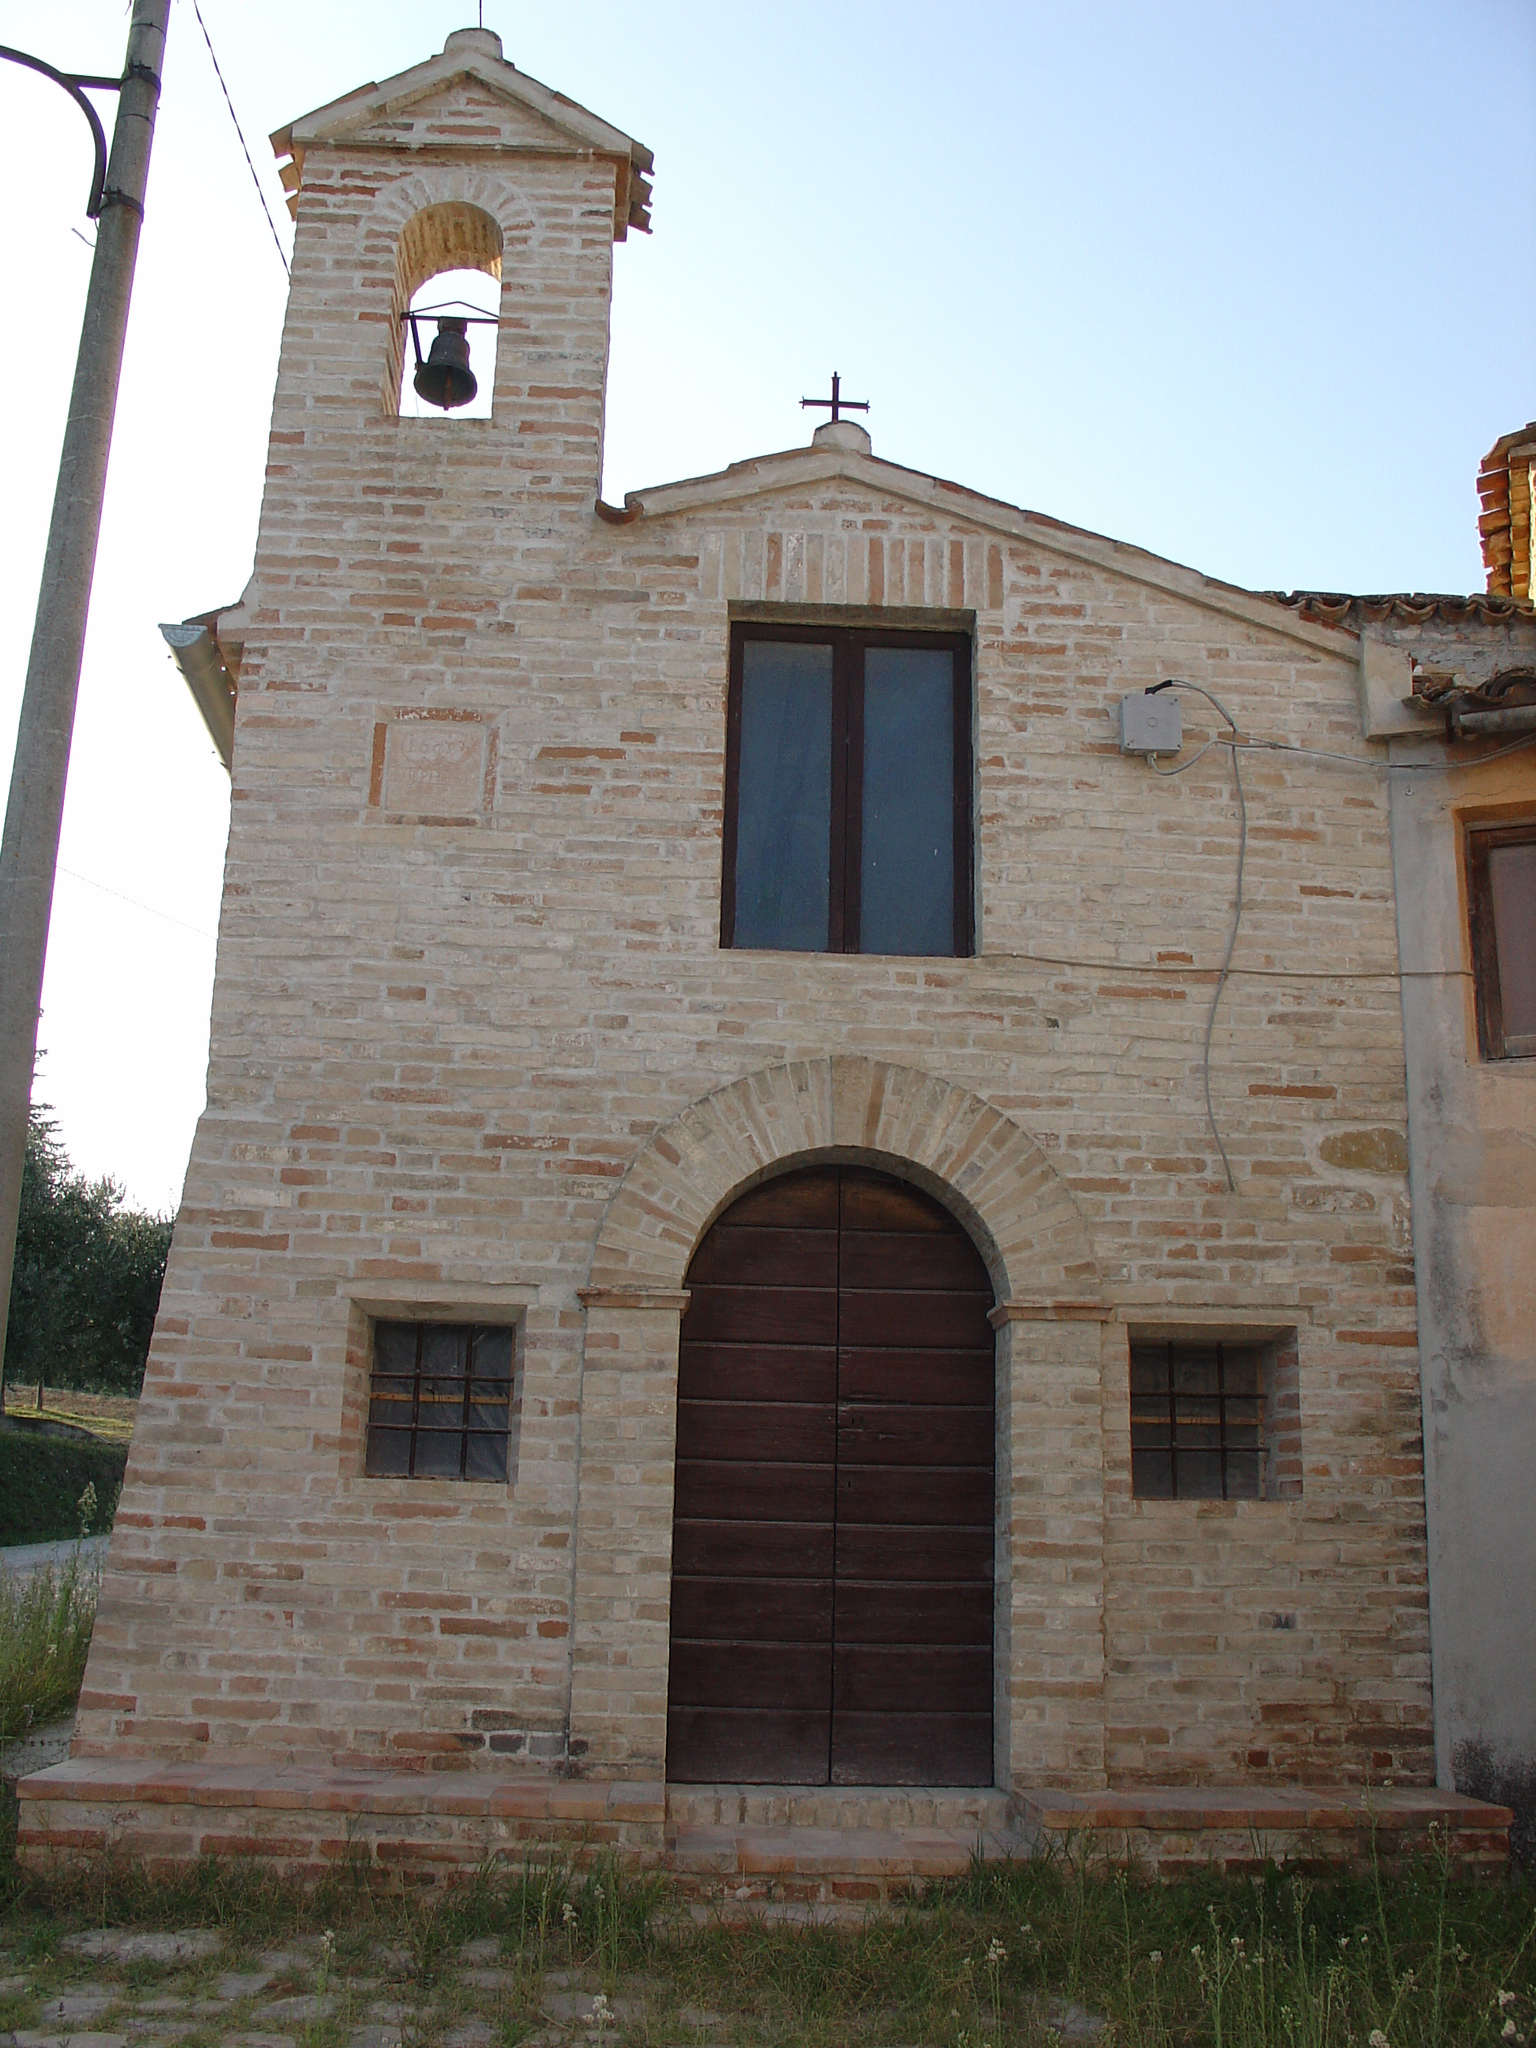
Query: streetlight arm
73,82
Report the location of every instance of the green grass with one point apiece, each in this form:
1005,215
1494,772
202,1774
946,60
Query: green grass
1420,1957
45,1631
108,1416
42,1479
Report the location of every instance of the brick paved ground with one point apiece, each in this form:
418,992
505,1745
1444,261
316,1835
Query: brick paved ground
113,1988
116,1988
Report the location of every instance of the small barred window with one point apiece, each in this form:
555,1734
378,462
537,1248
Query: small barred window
1197,1422
440,1401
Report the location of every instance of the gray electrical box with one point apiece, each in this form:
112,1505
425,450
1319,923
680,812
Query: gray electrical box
1150,725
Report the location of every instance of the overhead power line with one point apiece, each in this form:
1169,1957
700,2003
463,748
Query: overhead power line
148,908
218,74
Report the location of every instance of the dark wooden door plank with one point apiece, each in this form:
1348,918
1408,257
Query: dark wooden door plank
833,1538
913,1749
765,1432
756,1372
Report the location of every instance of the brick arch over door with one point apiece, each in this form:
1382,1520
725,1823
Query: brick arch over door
945,1139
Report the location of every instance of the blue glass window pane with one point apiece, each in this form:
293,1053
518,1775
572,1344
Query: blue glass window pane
487,1458
438,1452
394,1348
444,1349
784,796
907,880
389,1452
493,1354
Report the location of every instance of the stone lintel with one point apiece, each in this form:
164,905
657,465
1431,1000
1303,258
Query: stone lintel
1049,1312
675,1300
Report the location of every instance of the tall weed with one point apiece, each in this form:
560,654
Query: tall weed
45,1631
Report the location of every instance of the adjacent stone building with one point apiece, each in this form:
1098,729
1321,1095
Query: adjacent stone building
727,1243
1459,718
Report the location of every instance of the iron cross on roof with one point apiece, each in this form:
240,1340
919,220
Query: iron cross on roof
838,403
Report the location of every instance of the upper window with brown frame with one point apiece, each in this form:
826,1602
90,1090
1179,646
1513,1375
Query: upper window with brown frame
1501,875
848,792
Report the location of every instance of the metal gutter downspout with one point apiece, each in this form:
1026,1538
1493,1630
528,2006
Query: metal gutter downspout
196,653
1476,725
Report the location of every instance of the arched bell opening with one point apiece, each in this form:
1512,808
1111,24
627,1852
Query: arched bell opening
832,1610
447,303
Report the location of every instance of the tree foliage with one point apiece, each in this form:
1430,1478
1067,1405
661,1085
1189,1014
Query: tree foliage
86,1281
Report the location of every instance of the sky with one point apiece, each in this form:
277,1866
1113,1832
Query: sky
1252,286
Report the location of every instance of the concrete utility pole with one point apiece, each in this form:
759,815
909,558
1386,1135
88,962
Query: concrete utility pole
29,854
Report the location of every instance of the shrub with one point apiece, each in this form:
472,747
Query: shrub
42,1479
87,1277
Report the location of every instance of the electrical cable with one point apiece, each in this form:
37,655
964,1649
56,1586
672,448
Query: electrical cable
1236,743
1188,973
218,74
1178,683
1347,760
1226,965
148,908
1184,766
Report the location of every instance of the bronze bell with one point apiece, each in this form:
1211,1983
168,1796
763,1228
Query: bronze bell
445,378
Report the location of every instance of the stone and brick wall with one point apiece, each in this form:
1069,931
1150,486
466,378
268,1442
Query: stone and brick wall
469,970
1473,1177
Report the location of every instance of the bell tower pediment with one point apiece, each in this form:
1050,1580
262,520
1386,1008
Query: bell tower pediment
469,99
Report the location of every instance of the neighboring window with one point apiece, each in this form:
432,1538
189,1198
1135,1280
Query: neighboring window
1197,1422
848,792
439,1401
1501,872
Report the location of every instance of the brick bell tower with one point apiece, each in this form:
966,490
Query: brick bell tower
460,163
358,692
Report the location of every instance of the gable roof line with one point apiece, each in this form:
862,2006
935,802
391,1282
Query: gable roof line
342,120
799,466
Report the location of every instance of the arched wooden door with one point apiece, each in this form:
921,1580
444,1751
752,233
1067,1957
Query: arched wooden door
832,1536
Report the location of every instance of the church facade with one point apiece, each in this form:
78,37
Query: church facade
727,1244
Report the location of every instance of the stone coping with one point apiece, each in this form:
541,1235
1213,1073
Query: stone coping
298,1788
1292,1807
333,1788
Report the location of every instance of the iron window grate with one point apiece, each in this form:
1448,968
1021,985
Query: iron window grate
1197,1422
440,1401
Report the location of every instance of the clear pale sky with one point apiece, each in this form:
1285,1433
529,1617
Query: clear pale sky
1251,286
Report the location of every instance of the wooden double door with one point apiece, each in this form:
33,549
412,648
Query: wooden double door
832,1538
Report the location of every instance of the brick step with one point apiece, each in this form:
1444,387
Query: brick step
745,1866
976,1809
780,1847
308,1820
